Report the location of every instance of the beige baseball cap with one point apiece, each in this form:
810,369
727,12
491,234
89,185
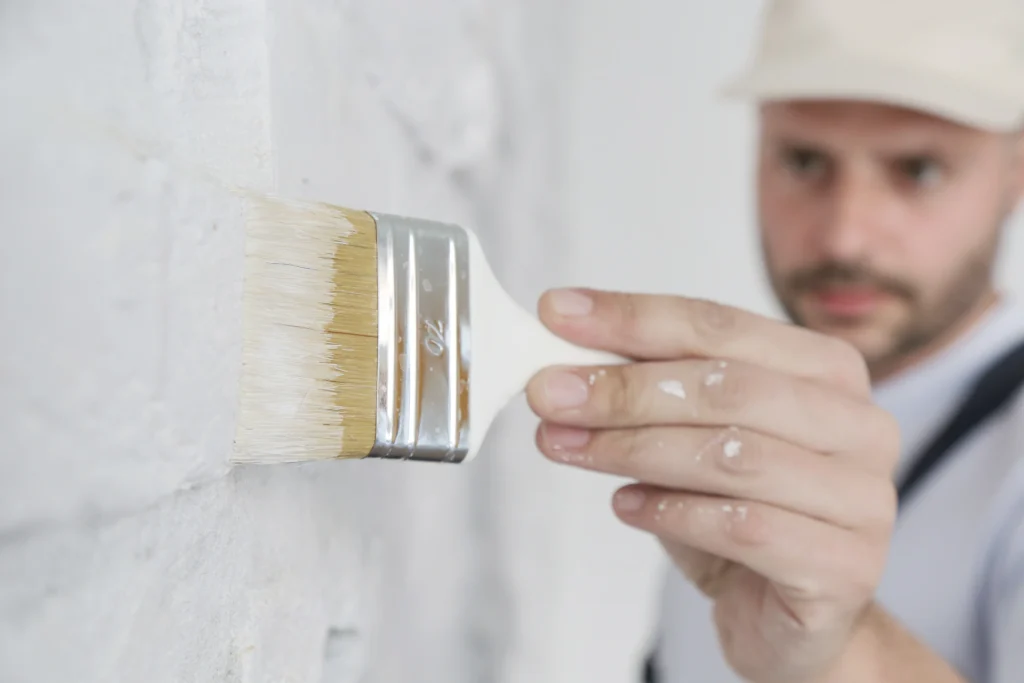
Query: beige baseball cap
958,59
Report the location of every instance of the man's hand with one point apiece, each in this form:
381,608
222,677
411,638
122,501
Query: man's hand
764,467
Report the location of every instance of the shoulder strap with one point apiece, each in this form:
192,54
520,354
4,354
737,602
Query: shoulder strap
650,674
993,389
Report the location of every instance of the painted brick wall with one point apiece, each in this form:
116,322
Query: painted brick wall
129,550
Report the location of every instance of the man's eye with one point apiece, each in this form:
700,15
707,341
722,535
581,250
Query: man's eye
922,171
805,162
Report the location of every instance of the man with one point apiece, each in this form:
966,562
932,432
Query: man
891,156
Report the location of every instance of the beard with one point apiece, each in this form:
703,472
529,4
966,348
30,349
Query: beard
928,317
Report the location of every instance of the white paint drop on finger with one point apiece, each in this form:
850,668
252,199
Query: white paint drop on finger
714,442
672,387
716,378
732,448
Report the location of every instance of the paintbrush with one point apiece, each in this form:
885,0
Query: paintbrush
375,335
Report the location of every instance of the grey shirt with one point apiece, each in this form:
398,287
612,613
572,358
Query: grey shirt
955,574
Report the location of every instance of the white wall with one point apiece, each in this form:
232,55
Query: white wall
129,550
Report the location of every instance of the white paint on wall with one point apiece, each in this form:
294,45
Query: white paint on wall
123,133
128,550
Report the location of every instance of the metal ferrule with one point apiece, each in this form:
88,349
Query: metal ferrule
423,340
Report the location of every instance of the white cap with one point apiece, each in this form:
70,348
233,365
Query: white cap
958,59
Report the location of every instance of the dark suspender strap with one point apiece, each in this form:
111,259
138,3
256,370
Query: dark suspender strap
993,389
650,672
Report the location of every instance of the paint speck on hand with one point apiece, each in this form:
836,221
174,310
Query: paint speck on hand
663,505
732,448
672,387
716,377
570,458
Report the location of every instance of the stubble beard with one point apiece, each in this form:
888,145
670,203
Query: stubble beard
927,320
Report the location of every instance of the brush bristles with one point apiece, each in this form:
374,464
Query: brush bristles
309,350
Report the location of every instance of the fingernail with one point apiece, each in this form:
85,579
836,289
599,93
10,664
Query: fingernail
565,438
565,390
629,500
571,303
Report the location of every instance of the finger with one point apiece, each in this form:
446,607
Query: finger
732,463
710,393
708,573
802,555
658,327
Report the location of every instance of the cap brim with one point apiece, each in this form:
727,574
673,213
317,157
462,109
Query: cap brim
920,89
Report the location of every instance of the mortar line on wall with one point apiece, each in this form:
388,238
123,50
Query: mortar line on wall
16,534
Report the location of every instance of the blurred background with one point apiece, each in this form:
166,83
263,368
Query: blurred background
584,141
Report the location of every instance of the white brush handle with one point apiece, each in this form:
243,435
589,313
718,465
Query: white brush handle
509,346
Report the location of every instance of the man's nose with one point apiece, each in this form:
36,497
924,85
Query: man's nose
856,204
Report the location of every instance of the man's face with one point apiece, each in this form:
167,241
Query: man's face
881,225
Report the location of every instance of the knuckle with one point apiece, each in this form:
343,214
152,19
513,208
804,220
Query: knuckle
747,524
880,500
813,615
848,364
632,318
622,396
889,428
863,576
630,450
725,391
738,453
711,321
884,433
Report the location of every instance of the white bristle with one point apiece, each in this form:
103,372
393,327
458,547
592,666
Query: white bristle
290,407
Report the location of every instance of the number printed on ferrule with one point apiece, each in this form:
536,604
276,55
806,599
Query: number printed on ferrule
433,337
